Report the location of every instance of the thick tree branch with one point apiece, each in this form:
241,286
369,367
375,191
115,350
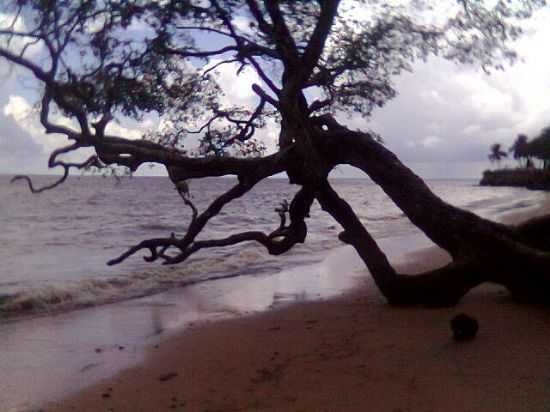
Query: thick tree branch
124,77
39,73
263,25
482,250
281,34
360,150
276,243
316,44
443,286
536,232
53,162
151,244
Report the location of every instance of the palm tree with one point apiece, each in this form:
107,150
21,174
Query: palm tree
520,149
497,154
540,147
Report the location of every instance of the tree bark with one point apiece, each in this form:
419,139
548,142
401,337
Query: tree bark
482,250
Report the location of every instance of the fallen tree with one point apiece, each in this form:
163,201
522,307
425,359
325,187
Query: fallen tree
312,61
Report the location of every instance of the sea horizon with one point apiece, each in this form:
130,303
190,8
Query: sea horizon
58,243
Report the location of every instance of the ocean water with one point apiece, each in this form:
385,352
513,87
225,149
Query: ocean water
54,246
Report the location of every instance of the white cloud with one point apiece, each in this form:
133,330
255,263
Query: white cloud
430,141
16,44
444,119
243,24
17,107
27,117
237,87
432,96
466,109
117,129
471,129
22,112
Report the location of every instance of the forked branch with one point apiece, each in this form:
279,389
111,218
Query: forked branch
54,162
443,286
276,243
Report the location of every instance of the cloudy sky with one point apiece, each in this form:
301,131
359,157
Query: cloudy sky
441,124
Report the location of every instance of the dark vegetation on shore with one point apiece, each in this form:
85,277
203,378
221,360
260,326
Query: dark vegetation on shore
533,171
534,179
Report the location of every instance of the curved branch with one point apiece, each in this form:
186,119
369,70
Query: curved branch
55,128
272,246
36,70
197,224
200,54
215,66
535,232
43,188
247,131
112,150
317,41
92,160
443,286
53,162
264,96
407,190
278,242
282,37
151,244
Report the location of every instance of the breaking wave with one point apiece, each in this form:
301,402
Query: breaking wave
56,244
70,295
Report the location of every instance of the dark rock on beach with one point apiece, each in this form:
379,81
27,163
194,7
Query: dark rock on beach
464,327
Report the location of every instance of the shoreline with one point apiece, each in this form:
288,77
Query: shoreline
55,361
345,352
332,355
48,358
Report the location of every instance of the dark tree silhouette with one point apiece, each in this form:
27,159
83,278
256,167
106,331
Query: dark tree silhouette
539,147
100,61
497,154
520,150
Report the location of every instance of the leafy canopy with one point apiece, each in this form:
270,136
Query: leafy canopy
109,59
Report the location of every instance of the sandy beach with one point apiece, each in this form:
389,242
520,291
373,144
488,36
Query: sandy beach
274,205
346,352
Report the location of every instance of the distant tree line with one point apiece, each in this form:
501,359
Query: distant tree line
529,153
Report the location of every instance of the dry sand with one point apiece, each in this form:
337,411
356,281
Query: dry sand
351,353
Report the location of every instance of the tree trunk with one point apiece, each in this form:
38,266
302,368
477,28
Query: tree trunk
482,251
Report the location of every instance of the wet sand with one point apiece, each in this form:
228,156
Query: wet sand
47,358
347,354
340,351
